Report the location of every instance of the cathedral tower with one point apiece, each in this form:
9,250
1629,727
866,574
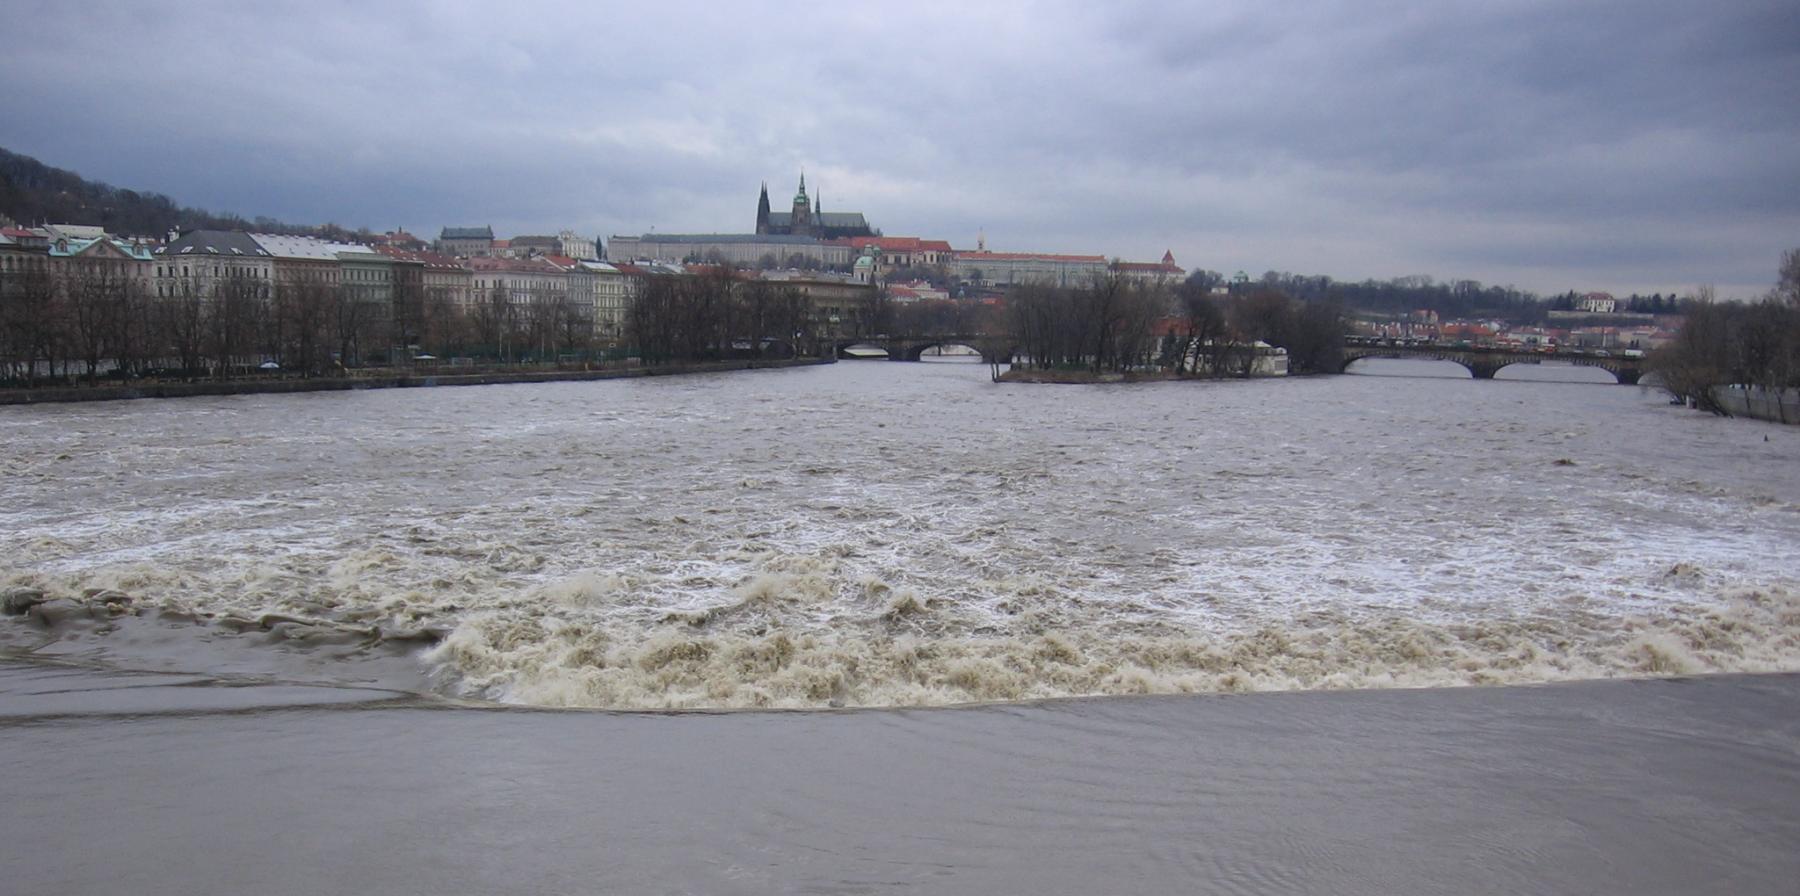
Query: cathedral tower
801,222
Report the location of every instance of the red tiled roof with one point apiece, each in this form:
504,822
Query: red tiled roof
962,255
899,244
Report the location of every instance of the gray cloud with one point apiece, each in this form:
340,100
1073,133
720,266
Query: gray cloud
1623,146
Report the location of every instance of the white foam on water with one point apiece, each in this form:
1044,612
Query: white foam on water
547,659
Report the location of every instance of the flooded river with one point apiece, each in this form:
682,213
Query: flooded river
296,644
880,534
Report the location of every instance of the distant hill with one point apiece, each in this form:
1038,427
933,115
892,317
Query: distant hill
33,193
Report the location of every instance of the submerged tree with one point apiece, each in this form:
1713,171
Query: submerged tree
1753,344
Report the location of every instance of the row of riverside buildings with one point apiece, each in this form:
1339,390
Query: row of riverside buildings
200,261
210,264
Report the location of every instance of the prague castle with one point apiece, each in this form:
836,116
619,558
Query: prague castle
807,219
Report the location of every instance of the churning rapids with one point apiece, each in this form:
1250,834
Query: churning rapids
877,534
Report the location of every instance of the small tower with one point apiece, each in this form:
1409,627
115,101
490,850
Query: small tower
762,209
1168,258
867,265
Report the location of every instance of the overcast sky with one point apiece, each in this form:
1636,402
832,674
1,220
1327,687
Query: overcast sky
1649,146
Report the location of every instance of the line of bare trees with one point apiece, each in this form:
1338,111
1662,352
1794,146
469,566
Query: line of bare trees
1115,323
1107,324
716,315
104,322
1755,344
511,325
86,325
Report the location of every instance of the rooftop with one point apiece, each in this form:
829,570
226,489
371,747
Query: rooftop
826,219
432,260
781,239
65,247
515,265
899,244
216,243
964,255
304,248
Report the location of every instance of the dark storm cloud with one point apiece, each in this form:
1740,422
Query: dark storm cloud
1593,146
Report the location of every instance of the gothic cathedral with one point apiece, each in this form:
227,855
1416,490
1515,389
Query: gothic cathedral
807,219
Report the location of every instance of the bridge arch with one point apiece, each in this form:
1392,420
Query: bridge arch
916,352
863,349
1617,377
1351,357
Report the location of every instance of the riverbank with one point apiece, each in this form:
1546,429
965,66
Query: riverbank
1647,787
416,379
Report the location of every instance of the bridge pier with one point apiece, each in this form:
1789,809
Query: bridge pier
1483,370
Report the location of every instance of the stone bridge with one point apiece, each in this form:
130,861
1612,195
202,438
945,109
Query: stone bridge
1484,362
993,349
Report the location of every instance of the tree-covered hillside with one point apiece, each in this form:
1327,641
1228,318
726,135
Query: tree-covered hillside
32,192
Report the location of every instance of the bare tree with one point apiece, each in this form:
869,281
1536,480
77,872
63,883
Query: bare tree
132,326
237,306
1202,331
95,299
1787,281
181,321
301,334
32,319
